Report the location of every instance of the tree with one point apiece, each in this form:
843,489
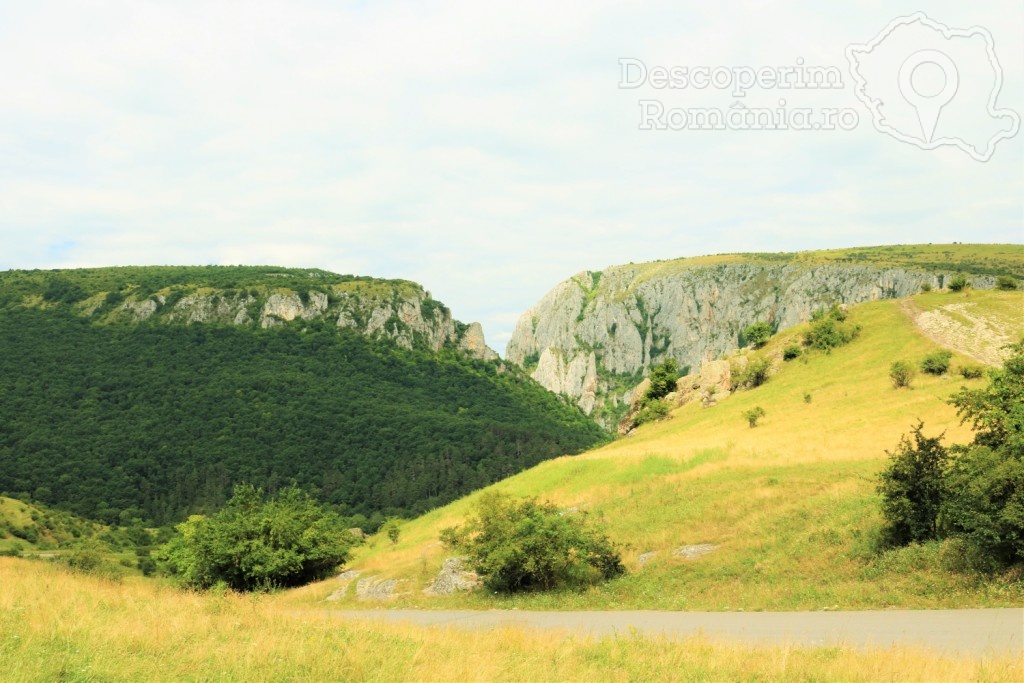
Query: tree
986,483
392,529
663,379
913,488
524,544
757,334
255,543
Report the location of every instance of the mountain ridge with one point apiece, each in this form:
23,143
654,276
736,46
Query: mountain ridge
594,336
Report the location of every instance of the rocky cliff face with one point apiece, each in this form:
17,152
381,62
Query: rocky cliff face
405,314
595,335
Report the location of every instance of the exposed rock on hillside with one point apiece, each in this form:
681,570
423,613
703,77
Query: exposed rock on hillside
595,336
406,315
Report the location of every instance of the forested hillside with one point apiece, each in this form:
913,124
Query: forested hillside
115,419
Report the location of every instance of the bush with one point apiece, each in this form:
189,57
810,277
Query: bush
757,334
757,373
1006,283
522,545
753,415
902,374
791,352
393,529
958,283
926,287
913,488
830,330
663,379
985,503
971,371
651,411
257,544
936,363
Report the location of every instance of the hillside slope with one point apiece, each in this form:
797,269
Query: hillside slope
596,335
789,508
117,415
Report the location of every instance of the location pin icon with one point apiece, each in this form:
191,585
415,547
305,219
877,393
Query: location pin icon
928,107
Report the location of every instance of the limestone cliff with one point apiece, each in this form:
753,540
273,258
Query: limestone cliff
381,309
594,336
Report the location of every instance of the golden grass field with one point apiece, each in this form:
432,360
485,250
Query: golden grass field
58,626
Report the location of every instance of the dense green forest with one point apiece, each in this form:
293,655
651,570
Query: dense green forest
155,421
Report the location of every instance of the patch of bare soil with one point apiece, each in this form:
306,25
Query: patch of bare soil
960,328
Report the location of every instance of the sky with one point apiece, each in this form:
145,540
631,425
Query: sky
489,151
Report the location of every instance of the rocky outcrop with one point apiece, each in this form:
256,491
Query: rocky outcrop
402,312
595,336
454,576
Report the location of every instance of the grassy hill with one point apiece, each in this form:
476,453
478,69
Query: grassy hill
790,506
969,259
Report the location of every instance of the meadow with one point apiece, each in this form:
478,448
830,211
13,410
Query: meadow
790,505
59,626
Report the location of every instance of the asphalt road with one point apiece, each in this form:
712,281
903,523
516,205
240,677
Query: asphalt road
965,631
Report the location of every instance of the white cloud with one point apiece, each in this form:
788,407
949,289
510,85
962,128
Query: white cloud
485,153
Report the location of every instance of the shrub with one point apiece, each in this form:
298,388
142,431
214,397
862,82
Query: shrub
985,503
663,379
912,488
392,529
936,363
902,374
791,352
753,415
926,287
757,373
1006,283
971,371
958,283
522,545
757,334
257,544
808,398
830,330
651,411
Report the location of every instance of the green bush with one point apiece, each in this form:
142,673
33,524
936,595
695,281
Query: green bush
791,352
758,372
757,334
524,545
1006,283
753,415
257,544
392,527
651,411
957,284
985,503
913,488
926,287
829,329
663,379
937,363
901,373
971,371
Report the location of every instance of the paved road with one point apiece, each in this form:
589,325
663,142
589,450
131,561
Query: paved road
966,631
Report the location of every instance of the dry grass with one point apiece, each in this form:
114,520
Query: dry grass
56,626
